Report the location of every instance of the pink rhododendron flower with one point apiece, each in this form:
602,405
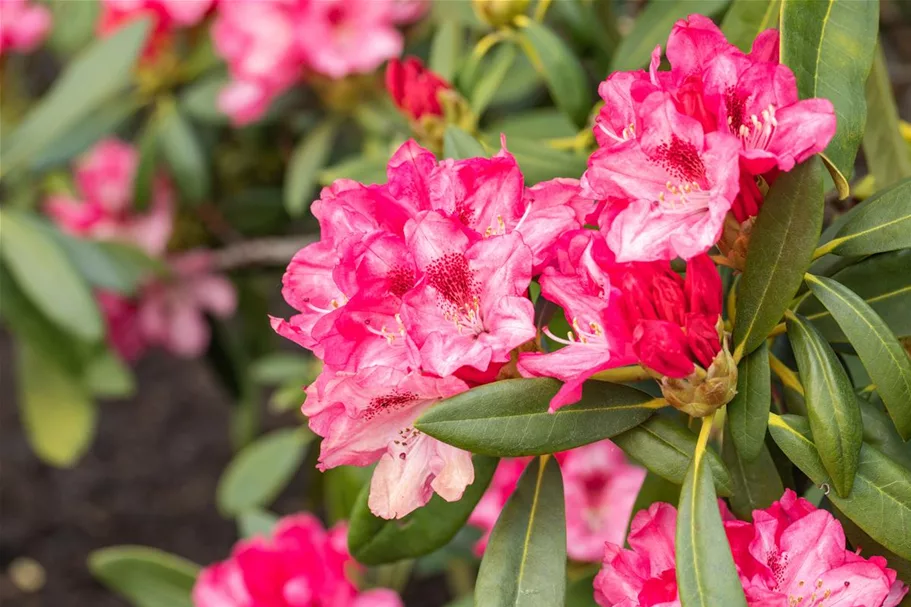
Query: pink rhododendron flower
792,553
300,565
165,15
23,25
599,485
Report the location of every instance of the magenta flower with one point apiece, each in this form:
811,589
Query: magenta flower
599,485
301,565
791,554
23,25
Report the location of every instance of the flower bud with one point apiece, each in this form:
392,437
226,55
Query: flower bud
735,240
499,13
414,88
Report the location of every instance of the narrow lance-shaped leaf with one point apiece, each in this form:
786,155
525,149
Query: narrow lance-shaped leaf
458,145
184,155
666,448
882,223
886,152
747,18
748,413
831,407
706,575
510,418
880,432
308,158
490,80
446,49
524,564
883,357
375,541
145,576
880,502
782,242
829,44
756,481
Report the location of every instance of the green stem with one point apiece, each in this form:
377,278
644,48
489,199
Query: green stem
785,374
622,375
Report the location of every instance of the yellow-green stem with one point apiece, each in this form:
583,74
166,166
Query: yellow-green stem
541,10
622,375
785,374
703,440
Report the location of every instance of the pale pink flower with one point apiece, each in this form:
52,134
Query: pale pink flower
342,37
23,25
599,486
368,417
300,565
792,553
408,11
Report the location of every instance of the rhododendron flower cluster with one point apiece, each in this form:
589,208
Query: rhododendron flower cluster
599,485
23,25
416,291
791,554
680,150
166,17
269,45
169,311
300,565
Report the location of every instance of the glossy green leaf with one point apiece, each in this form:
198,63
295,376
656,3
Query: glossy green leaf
756,481
882,223
746,18
748,413
706,575
57,413
830,44
200,100
94,76
458,145
883,282
880,432
880,502
446,49
374,541
564,75
666,448
497,68
652,26
308,158
184,155
524,564
510,418
541,163
886,152
342,487
256,521
883,357
47,276
261,470
81,19
783,239
831,406
145,576
546,123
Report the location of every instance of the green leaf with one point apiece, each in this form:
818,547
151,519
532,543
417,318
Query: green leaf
666,448
261,470
882,223
374,541
93,77
277,367
49,279
880,502
748,413
200,100
883,282
106,265
883,357
256,521
830,45
184,155
756,481
652,27
308,158
459,145
524,564
497,67
541,163
880,432
886,152
747,18
831,406
782,242
545,123
446,49
145,576
58,415
342,487
107,376
564,75
706,575
81,19
366,169
148,147
510,418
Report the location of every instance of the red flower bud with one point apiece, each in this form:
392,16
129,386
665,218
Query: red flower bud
414,88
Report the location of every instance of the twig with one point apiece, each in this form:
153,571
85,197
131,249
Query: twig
261,252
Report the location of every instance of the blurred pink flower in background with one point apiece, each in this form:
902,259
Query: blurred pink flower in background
165,15
168,311
23,25
300,565
791,554
271,44
599,485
